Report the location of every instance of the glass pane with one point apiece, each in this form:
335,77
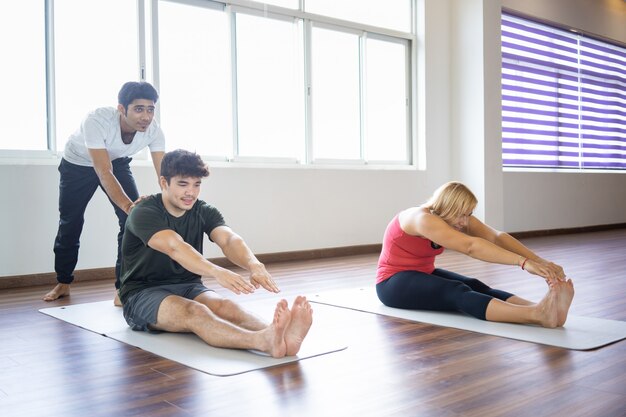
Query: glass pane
386,107
270,87
195,80
95,55
335,95
23,76
392,14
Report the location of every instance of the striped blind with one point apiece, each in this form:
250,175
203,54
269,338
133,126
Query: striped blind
563,98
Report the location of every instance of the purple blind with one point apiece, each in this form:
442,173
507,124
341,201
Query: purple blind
563,99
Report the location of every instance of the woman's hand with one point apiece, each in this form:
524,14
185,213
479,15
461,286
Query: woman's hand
550,271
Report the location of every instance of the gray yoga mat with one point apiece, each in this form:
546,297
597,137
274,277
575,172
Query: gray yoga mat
188,349
578,333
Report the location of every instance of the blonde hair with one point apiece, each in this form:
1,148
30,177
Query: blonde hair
451,200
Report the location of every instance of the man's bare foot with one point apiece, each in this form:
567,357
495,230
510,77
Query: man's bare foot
564,300
301,320
546,311
116,301
61,290
275,338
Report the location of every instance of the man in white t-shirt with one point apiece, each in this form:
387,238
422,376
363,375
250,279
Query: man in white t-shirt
98,154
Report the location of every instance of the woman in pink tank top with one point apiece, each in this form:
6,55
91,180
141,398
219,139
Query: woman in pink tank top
407,277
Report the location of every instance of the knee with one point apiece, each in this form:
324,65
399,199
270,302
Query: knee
477,284
455,292
223,307
194,309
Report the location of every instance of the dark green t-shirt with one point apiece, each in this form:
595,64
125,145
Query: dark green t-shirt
144,267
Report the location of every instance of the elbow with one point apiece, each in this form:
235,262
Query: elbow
234,241
470,248
176,250
500,237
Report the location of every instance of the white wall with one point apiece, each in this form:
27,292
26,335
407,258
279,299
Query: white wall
288,209
274,209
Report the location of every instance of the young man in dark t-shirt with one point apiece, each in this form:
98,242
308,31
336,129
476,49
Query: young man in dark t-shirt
162,266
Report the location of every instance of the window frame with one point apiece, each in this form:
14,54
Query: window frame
148,69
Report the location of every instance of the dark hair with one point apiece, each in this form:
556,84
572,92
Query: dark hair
183,163
134,90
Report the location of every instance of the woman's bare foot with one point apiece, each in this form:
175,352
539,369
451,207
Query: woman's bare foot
565,297
301,320
61,290
275,333
547,309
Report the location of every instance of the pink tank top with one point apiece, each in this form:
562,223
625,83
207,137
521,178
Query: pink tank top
403,252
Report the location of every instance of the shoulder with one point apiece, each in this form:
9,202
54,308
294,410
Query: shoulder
210,217
148,206
413,219
206,208
103,115
152,201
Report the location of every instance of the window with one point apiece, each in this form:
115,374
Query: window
335,92
282,81
270,87
23,76
195,79
93,58
360,97
387,100
563,98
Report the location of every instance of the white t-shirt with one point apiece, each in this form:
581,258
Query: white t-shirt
101,130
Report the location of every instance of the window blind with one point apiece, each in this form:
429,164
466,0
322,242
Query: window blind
563,98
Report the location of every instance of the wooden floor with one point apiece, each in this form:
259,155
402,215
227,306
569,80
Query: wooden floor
390,368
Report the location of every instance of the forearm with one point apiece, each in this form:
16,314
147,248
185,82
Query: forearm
157,157
508,242
240,254
486,251
193,261
114,190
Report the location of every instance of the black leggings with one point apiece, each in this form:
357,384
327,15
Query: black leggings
441,291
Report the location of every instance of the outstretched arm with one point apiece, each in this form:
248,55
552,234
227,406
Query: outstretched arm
417,222
508,242
173,245
240,254
104,169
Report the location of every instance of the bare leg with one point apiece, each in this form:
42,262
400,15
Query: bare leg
230,311
565,297
177,314
519,301
60,290
301,320
544,313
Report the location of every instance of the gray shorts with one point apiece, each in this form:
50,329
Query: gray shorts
142,307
